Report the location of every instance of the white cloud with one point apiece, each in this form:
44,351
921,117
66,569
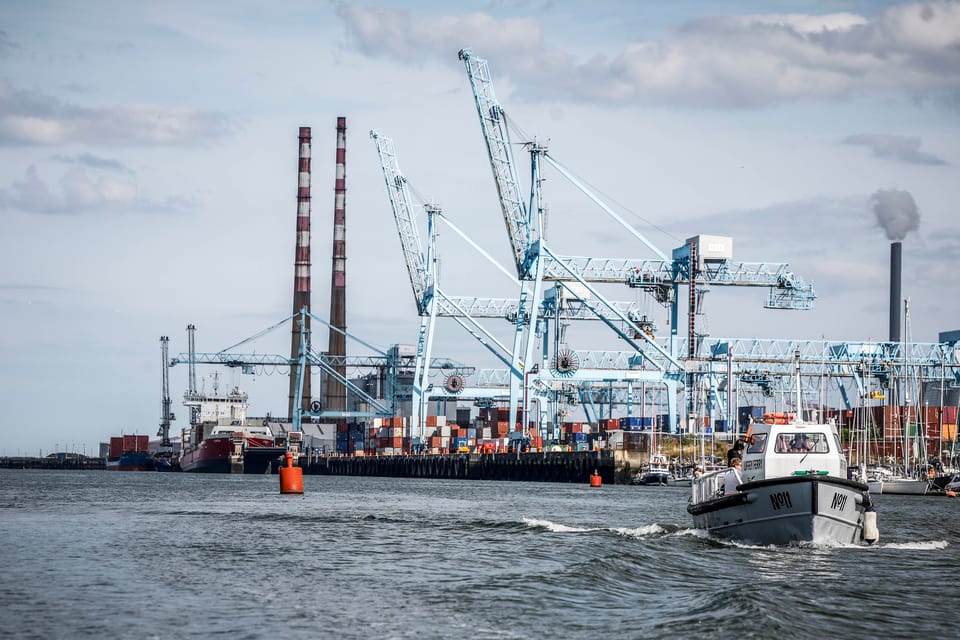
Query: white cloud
79,192
741,61
34,118
902,148
394,32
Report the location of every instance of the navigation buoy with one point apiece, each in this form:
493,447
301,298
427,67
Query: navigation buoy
596,480
291,477
870,531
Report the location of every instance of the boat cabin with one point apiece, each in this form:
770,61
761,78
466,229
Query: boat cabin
780,448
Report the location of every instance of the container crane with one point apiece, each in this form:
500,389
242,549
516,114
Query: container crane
433,302
662,276
166,416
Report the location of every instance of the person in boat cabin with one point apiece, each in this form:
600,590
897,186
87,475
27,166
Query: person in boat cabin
783,443
731,480
800,444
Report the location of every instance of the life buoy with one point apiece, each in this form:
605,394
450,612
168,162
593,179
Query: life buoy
777,418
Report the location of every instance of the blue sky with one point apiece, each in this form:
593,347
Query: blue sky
148,170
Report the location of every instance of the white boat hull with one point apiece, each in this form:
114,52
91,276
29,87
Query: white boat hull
904,487
794,509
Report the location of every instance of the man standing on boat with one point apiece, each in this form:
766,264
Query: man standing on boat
732,480
736,451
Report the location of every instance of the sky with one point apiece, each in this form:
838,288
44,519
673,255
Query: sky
148,172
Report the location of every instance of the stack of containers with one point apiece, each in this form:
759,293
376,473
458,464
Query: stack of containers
390,440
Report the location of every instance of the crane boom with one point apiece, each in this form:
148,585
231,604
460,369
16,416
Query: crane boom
493,123
402,207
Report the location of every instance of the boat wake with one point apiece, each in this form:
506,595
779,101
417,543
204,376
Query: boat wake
555,527
627,532
926,545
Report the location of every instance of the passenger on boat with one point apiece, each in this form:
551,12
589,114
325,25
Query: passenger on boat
783,444
736,451
731,480
697,471
800,444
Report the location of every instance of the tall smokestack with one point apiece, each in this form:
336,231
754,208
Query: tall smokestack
895,264
897,215
336,393
301,270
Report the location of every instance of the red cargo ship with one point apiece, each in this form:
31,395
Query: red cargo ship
222,441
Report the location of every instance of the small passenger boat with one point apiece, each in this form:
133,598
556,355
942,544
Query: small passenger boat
793,489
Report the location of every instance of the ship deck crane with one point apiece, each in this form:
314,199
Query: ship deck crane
389,363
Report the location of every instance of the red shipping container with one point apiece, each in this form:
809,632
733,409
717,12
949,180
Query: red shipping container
950,415
116,446
130,443
143,443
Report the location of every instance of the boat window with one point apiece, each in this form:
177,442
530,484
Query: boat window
801,443
758,444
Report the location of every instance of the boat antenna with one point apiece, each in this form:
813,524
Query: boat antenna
799,416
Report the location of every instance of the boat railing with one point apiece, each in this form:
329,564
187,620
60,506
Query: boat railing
707,487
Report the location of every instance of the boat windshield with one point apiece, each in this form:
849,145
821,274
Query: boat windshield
758,443
802,443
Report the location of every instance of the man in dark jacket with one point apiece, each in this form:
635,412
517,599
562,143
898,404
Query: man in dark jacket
736,451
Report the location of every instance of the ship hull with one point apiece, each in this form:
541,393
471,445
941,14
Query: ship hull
131,461
218,455
214,455
799,509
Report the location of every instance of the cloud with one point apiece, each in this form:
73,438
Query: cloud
7,46
80,193
34,118
394,32
95,162
737,62
899,148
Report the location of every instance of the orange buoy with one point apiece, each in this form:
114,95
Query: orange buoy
596,480
291,477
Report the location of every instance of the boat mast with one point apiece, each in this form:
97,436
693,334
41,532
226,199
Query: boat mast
799,406
905,418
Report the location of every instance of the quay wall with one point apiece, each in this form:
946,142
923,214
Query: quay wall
573,466
78,463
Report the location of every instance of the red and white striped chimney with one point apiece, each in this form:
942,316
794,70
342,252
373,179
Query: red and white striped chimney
301,268
336,394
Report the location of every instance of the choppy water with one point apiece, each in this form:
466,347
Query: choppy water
153,555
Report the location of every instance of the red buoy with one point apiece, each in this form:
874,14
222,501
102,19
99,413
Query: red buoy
291,477
596,480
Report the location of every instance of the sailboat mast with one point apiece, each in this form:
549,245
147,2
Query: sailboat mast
905,382
799,415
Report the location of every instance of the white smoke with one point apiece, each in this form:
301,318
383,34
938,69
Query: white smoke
896,212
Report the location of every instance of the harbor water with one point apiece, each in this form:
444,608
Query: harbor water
96,554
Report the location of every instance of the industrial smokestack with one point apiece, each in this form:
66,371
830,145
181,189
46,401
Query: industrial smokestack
897,215
301,271
895,263
336,398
